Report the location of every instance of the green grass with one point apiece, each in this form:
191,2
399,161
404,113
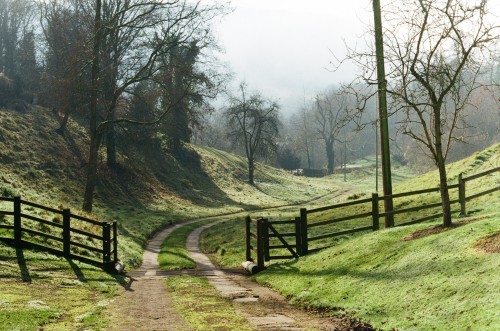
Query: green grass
201,305
30,319
173,254
225,242
432,283
57,294
438,282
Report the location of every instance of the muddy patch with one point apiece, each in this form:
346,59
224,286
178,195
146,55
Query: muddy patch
490,244
439,228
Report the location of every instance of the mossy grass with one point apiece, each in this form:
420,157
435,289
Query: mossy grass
173,254
201,305
56,294
432,283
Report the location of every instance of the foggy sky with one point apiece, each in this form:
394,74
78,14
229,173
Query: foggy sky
283,48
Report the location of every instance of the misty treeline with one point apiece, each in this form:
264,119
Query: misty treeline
443,75
332,128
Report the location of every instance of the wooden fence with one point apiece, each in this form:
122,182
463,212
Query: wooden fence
297,240
67,234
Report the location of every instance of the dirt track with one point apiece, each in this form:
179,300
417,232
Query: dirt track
145,304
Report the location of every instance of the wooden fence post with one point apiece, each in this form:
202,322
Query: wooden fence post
375,212
17,221
461,195
298,236
260,244
248,244
106,247
66,232
115,242
265,238
303,231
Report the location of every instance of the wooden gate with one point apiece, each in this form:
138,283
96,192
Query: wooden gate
274,240
281,239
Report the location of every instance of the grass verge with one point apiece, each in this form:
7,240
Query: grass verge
39,291
173,254
432,283
201,305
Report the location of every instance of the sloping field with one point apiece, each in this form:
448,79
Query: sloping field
418,277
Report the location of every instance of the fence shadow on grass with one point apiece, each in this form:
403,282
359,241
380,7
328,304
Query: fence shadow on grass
76,269
23,268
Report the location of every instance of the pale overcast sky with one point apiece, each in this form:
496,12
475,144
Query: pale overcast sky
283,47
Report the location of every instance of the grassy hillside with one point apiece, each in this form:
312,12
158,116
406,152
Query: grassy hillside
410,278
144,194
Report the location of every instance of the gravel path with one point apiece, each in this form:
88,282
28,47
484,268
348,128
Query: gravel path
145,304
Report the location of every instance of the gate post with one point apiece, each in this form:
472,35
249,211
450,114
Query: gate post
248,245
66,232
461,195
298,236
265,238
303,231
17,221
375,212
260,244
115,242
106,247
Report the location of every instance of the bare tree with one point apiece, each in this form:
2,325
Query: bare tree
330,112
435,50
14,23
67,27
254,123
305,132
159,27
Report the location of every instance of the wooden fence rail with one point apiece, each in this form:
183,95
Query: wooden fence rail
45,234
297,242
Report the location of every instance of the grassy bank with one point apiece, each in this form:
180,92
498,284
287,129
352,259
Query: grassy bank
146,192
441,281
37,289
409,278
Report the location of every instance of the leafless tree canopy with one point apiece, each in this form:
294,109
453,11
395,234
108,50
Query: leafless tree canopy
254,124
435,54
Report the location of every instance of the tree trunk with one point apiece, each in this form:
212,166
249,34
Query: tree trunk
441,164
308,155
445,196
64,124
91,173
250,170
330,157
111,146
94,136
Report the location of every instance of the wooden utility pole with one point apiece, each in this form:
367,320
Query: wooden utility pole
384,126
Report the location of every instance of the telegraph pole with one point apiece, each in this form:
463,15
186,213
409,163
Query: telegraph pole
384,126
